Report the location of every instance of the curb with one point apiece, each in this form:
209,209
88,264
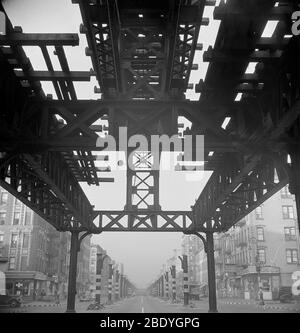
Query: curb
281,308
271,307
39,305
237,303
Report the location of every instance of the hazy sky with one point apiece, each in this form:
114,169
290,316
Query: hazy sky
143,254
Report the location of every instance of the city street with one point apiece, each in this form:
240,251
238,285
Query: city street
148,304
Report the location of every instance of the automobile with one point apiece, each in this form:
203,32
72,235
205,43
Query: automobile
10,301
285,295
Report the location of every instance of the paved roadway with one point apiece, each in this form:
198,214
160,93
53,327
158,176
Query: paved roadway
148,304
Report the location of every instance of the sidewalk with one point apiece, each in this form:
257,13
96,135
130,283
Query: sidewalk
42,304
270,305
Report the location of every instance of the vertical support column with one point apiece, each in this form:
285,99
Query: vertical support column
117,290
294,186
72,272
121,286
110,276
167,284
173,274
98,277
162,286
158,287
211,272
142,184
125,287
186,294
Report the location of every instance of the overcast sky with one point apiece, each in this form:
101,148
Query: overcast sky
143,254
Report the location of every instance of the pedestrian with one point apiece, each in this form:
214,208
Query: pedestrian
261,297
57,301
43,293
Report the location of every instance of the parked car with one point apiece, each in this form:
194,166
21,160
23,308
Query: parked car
285,294
11,301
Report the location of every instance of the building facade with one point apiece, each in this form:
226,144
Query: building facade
95,248
37,254
262,250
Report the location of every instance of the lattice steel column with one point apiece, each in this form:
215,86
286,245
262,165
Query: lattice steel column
142,184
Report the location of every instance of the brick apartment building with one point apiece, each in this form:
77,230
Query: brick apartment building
37,255
261,250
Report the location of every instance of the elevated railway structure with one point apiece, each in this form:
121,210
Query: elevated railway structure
142,54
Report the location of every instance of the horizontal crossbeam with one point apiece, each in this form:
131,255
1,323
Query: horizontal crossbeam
56,75
144,220
22,39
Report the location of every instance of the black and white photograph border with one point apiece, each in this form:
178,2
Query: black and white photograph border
149,159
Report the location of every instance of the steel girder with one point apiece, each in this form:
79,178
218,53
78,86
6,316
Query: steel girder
105,29
78,117
42,180
135,220
142,50
237,188
268,113
46,184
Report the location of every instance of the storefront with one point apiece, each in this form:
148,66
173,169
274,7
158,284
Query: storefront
194,290
268,279
26,284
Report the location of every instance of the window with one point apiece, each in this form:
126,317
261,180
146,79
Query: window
3,198
25,240
16,219
27,219
1,236
14,240
287,212
291,256
290,233
258,213
262,256
12,263
2,218
23,263
260,234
